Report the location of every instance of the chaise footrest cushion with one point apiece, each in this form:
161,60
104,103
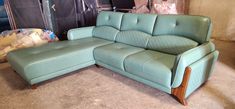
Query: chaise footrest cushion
36,62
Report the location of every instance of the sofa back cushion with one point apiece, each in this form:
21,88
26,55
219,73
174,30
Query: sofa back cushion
171,44
108,25
136,29
196,28
105,32
134,38
112,19
138,22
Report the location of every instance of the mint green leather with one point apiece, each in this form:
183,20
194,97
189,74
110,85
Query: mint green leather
60,72
152,49
187,58
134,38
32,63
135,77
151,65
192,27
171,44
201,71
106,18
114,54
80,33
138,22
105,32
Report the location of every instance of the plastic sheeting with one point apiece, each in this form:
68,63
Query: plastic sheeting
123,5
141,6
90,12
23,38
26,13
164,7
170,6
3,13
4,23
1,2
56,15
73,14
49,14
66,15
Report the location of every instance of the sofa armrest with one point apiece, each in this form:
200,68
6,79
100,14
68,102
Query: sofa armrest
201,71
80,33
187,58
195,75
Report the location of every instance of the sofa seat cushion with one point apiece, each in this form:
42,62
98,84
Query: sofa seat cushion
39,61
151,65
171,44
114,54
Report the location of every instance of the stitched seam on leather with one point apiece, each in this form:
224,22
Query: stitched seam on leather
122,22
209,30
155,24
130,55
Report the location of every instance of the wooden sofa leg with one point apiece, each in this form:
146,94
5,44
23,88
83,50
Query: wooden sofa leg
34,86
180,91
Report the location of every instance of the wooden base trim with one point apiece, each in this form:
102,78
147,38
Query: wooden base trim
180,91
34,86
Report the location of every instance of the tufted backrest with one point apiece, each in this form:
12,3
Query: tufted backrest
136,29
172,34
108,25
196,28
138,22
112,19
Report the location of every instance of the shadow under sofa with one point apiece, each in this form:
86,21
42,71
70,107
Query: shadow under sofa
169,52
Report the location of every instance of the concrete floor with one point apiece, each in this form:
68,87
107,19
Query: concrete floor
93,88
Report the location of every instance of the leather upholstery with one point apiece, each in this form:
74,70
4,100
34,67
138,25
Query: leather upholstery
151,65
80,33
115,54
110,19
39,61
192,27
152,49
138,22
134,38
201,71
171,44
135,77
187,58
105,32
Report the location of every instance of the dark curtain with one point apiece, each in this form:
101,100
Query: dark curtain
27,13
90,12
123,4
65,12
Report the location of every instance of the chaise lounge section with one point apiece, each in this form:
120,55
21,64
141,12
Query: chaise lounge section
169,52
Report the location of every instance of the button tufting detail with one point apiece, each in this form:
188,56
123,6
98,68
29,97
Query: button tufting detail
108,17
137,21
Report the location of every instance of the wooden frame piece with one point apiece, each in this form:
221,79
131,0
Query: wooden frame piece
34,86
180,91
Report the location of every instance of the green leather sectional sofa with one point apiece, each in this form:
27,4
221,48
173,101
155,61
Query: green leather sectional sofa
169,52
